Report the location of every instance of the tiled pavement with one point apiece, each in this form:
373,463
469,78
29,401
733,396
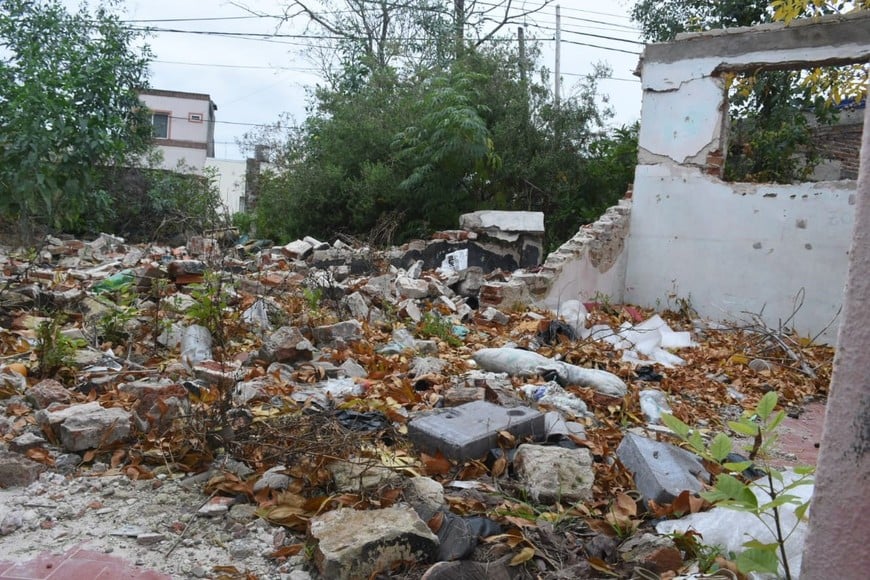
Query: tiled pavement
77,564
801,437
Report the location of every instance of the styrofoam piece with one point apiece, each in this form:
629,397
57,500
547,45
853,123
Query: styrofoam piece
666,359
677,340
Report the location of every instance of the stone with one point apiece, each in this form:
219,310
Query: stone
273,478
358,474
495,316
469,431
661,471
342,333
357,305
380,287
458,536
425,495
470,281
427,366
180,302
410,309
46,392
555,474
298,250
658,554
760,365
357,544
26,441
216,506
353,369
286,345
411,288
17,470
470,570
87,426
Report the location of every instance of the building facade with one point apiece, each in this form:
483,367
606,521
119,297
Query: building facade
183,127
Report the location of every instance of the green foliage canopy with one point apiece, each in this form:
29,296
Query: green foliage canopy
68,105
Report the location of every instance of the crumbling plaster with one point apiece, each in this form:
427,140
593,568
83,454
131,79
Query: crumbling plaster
731,247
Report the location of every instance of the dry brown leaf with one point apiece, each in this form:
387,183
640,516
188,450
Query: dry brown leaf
525,555
435,464
435,522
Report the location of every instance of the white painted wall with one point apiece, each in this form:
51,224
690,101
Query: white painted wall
230,181
179,108
193,159
734,248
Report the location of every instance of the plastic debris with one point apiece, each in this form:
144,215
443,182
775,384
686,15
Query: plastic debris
113,283
195,346
555,396
730,529
653,403
526,363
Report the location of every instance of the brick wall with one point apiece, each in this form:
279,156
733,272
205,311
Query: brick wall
841,143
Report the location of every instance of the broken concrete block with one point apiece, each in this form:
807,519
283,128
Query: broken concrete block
359,474
504,295
661,471
409,309
298,250
470,281
46,392
555,474
490,221
411,288
471,430
380,287
17,470
357,305
186,271
357,544
286,345
338,334
315,244
87,426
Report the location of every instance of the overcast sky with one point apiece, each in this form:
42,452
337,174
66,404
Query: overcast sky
252,81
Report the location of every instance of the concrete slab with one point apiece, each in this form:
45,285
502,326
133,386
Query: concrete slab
661,471
469,431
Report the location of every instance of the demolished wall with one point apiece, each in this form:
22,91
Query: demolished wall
732,248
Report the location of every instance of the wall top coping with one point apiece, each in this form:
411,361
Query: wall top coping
837,30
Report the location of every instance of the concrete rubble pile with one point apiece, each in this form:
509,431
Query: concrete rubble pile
175,355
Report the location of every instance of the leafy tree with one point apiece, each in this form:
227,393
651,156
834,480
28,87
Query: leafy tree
408,151
770,135
68,105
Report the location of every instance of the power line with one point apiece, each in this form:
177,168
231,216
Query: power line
239,66
569,31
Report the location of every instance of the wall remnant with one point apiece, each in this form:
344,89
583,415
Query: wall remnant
733,248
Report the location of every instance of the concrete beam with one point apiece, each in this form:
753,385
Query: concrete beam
847,32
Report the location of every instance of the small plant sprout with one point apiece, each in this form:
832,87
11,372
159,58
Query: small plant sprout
732,490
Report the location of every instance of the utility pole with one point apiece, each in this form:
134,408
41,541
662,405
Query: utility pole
558,87
521,38
459,24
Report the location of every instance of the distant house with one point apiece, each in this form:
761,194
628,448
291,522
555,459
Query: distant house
183,126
